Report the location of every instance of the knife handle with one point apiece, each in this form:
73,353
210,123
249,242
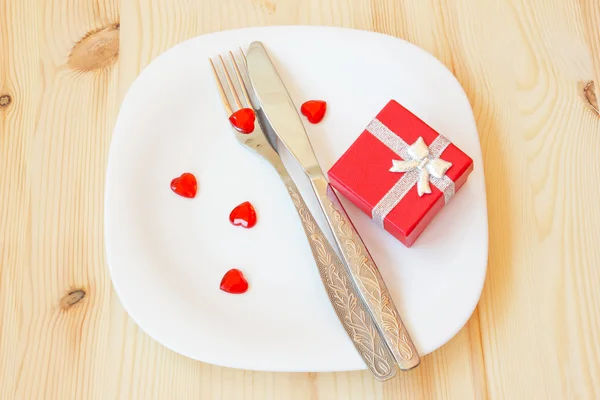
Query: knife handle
366,277
353,315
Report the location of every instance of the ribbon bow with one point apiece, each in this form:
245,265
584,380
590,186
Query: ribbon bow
421,160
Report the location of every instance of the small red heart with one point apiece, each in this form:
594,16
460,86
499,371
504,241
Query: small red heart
234,282
314,110
243,215
243,120
185,185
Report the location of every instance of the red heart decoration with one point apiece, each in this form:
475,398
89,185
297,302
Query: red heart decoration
243,215
314,110
185,185
243,120
234,282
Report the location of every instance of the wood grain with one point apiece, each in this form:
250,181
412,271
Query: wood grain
536,332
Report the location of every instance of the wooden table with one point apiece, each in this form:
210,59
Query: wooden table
526,67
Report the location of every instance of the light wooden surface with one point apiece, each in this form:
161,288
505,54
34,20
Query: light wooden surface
65,65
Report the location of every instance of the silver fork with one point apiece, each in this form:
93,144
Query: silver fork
343,296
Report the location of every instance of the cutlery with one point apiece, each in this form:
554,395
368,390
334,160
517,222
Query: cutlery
351,312
281,114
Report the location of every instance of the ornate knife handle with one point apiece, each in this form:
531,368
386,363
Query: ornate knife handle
367,278
351,312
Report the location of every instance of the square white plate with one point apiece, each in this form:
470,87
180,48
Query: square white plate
167,254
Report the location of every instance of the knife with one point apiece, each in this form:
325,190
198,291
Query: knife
281,113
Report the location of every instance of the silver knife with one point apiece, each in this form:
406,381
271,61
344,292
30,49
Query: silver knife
281,113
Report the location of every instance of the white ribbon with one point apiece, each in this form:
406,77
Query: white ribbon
421,164
420,160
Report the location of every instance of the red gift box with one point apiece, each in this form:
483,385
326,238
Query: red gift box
401,172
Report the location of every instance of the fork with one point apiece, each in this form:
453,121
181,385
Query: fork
343,296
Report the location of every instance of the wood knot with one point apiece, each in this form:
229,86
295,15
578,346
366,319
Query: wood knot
96,50
73,297
5,100
269,6
589,95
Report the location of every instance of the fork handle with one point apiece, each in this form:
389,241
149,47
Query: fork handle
346,302
366,277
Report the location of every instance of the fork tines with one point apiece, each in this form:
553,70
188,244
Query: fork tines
233,87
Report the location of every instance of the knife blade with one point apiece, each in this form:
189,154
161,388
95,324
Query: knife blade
281,113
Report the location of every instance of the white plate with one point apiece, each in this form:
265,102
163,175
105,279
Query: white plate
167,254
